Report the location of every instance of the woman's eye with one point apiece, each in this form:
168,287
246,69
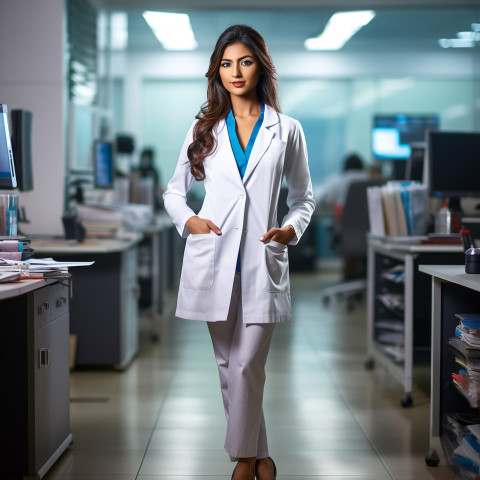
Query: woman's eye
247,63
225,64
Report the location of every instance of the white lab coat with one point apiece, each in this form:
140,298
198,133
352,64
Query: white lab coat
243,210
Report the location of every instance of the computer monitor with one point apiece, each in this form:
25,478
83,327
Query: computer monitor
453,164
22,148
414,167
8,178
104,164
392,135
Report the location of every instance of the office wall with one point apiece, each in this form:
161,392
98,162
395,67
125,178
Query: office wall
333,95
32,42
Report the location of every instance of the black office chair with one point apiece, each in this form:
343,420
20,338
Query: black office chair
352,244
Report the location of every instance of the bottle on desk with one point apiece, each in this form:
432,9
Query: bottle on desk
447,221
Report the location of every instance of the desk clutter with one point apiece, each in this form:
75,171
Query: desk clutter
462,440
13,270
389,327
398,209
15,248
462,443
465,345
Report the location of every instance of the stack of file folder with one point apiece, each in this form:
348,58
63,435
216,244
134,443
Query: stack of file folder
466,348
398,209
15,248
462,444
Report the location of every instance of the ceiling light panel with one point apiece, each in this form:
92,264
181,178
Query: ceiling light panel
173,30
340,28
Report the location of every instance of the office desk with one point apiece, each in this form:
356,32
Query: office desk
156,256
104,311
397,337
35,400
453,291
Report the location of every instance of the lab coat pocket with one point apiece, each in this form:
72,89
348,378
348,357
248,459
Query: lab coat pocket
276,262
199,262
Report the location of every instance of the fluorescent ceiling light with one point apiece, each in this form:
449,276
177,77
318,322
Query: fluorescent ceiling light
340,28
469,36
173,30
463,40
456,43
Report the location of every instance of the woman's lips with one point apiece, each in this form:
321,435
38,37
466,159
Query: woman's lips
238,84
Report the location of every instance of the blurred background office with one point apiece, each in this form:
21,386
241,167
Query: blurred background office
107,81
98,69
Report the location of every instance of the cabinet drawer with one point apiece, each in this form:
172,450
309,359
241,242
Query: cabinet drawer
49,303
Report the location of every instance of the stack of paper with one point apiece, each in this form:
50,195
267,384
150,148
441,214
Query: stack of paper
462,443
394,302
395,274
112,217
468,330
466,344
11,270
398,208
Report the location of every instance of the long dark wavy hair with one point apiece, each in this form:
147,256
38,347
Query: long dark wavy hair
218,102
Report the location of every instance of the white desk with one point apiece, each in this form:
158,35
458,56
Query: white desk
384,254
453,291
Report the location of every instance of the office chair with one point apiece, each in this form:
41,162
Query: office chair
352,244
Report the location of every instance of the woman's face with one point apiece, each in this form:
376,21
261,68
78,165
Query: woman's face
239,70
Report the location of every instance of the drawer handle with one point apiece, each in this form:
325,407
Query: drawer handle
43,358
60,302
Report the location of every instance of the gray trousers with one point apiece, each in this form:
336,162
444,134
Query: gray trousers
241,353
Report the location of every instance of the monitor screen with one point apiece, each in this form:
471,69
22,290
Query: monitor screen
414,167
104,167
393,134
7,168
453,164
22,148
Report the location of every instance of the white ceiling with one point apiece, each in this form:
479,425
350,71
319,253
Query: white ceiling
397,26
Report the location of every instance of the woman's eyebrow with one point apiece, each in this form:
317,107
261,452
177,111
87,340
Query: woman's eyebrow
241,58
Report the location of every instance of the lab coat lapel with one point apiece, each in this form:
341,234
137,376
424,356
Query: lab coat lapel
263,141
226,150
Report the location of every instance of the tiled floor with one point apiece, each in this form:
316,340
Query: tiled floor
327,417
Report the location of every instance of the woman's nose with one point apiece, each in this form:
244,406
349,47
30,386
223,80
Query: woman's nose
236,71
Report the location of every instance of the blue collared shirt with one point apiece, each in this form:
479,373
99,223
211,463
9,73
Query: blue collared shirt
241,157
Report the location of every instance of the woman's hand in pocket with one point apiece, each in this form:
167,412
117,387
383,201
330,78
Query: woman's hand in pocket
281,235
197,225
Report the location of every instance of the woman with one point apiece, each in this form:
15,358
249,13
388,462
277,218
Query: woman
235,265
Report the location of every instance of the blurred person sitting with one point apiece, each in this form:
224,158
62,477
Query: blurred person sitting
146,186
333,193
